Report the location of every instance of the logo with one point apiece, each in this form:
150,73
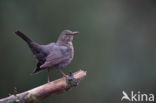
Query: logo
137,96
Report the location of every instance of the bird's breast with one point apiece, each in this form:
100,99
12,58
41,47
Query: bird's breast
68,54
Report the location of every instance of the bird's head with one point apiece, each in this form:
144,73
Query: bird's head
66,36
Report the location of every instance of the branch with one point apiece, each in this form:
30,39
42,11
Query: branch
49,89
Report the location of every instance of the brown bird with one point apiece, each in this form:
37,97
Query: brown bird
55,55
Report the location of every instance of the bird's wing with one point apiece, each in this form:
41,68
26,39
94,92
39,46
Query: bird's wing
56,56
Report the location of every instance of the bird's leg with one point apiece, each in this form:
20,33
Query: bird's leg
64,75
48,75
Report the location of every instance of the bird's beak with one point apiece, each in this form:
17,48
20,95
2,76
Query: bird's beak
74,33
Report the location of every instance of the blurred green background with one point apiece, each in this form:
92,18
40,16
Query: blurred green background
116,46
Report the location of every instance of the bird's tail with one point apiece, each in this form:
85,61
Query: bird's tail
24,37
35,47
36,70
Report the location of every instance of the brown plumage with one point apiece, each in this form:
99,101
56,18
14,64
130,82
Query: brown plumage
53,55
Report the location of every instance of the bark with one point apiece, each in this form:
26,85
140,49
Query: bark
49,89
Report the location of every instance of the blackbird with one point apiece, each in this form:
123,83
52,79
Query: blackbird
55,55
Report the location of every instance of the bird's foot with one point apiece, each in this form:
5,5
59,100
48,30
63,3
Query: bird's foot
72,82
66,76
48,81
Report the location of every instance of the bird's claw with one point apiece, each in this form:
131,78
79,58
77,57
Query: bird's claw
72,82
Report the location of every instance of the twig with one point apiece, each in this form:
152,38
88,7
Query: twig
49,89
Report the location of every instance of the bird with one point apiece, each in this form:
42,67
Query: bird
54,55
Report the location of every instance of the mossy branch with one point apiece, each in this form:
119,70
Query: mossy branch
49,89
